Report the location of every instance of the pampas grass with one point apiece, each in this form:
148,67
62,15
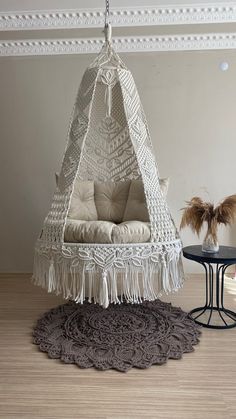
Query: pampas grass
197,212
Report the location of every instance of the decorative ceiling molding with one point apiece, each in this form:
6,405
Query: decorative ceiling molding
160,15
188,42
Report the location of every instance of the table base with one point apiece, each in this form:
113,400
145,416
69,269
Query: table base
220,311
224,314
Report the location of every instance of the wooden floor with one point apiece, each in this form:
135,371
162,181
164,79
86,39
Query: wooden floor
200,386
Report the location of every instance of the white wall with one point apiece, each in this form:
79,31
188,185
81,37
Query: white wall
190,106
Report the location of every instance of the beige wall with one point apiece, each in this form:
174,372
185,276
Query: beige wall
191,108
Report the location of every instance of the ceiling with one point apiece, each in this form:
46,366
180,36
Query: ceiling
15,5
60,27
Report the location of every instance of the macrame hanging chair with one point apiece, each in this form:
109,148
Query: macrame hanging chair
109,236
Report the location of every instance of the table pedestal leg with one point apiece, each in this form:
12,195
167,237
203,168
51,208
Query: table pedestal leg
227,317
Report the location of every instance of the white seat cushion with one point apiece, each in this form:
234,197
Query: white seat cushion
131,232
110,200
82,206
78,231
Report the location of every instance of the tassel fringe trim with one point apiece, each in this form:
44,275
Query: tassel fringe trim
142,276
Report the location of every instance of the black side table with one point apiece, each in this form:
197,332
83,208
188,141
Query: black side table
222,259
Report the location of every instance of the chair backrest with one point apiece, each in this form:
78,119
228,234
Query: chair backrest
110,201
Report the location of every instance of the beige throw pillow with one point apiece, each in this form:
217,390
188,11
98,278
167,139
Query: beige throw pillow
82,206
136,207
111,199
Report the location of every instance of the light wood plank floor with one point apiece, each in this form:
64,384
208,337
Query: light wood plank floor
201,385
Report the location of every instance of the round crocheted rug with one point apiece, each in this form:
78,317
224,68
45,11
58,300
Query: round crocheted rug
120,337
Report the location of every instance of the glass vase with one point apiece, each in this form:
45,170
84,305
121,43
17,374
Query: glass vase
210,243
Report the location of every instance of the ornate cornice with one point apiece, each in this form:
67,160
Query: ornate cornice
161,15
125,44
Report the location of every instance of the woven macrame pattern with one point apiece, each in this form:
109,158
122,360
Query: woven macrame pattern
120,337
53,229
109,273
108,140
108,152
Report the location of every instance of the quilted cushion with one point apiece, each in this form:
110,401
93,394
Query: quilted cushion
110,200
136,207
131,232
78,231
82,206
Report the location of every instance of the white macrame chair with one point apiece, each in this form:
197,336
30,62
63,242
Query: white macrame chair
108,139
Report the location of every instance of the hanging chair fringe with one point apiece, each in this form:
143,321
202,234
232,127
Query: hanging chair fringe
76,279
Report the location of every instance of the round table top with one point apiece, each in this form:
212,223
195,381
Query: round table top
226,254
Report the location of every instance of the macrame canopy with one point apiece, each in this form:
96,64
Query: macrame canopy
109,235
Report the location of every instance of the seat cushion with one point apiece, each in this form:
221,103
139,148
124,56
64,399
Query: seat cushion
131,232
136,207
110,200
82,206
79,231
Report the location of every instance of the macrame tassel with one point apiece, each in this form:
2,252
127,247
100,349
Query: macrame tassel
90,285
165,276
51,276
104,300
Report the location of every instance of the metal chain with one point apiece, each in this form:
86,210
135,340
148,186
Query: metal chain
107,11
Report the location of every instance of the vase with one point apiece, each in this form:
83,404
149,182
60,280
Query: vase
210,243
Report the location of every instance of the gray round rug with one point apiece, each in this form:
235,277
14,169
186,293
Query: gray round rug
120,337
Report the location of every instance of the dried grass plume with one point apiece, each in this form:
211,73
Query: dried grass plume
197,212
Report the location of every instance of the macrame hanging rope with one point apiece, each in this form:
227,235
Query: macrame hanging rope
107,28
107,79
107,12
